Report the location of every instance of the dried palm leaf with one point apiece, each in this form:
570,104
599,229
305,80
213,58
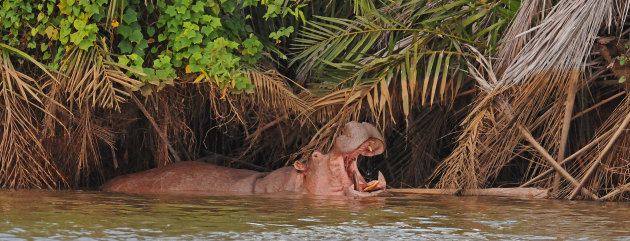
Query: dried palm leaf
24,162
92,78
538,77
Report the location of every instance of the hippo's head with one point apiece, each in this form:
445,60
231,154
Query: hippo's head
336,173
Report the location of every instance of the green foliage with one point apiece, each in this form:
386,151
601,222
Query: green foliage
195,33
39,26
341,46
282,32
395,55
165,40
209,39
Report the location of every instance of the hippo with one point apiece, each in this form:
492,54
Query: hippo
334,173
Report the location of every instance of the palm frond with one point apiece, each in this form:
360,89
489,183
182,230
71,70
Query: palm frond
272,91
613,171
518,34
411,49
527,94
24,162
92,78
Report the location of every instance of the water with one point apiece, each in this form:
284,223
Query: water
91,215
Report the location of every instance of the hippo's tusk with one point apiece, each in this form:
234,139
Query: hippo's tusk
370,148
381,178
356,181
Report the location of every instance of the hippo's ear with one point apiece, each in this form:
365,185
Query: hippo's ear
300,166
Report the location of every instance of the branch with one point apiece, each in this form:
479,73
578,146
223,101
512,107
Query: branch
601,156
156,127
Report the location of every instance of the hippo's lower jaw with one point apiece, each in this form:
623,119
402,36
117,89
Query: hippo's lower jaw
363,189
349,191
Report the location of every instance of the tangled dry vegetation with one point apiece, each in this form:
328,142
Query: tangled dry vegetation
550,109
553,109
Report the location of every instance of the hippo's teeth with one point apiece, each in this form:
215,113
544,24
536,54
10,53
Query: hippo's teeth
381,178
356,180
370,148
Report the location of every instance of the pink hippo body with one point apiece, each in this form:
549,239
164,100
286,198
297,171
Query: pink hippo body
195,177
335,173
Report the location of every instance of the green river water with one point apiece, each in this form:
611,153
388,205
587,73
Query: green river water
93,215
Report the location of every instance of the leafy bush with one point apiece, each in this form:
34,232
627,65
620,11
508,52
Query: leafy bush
166,40
50,27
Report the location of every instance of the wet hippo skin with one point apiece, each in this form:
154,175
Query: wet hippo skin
333,173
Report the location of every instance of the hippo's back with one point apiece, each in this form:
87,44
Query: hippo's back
186,177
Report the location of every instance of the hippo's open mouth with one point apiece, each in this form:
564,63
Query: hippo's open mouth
359,184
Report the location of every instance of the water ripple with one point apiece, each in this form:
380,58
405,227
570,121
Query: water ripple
63,215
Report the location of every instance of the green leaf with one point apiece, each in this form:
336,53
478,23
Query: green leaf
198,7
50,8
623,60
170,10
136,36
150,31
282,32
92,9
76,37
195,68
206,30
46,55
124,30
215,23
252,3
79,24
63,35
123,60
622,79
161,37
162,73
228,6
51,33
474,18
130,16
142,45
125,46
216,9
85,44
448,6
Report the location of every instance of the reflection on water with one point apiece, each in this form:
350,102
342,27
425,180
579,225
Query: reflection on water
96,215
